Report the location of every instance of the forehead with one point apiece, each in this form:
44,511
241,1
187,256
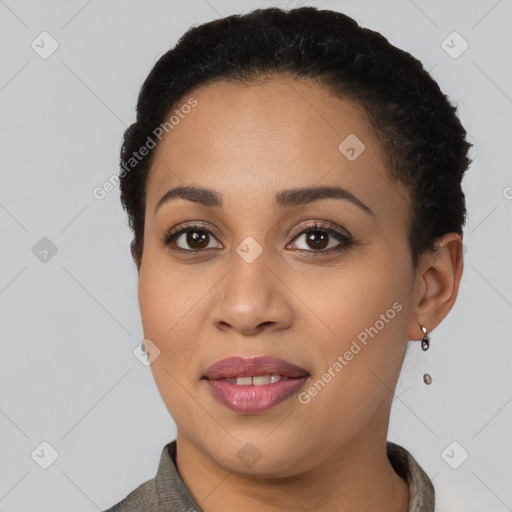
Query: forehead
261,137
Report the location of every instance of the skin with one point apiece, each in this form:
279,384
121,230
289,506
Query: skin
248,143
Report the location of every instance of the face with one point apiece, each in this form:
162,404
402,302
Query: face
315,285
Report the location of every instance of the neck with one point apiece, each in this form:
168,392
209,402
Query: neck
358,476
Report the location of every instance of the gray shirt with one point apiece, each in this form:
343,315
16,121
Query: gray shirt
167,492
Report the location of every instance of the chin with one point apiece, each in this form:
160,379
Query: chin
259,457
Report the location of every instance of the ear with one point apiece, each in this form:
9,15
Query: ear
437,285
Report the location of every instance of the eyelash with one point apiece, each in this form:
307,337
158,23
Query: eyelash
346,240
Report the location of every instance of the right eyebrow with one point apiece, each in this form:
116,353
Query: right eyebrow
204,196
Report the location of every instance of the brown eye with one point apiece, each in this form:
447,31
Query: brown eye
197,239
189,238
319,239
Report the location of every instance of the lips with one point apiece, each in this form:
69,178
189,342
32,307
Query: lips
238,366
251,385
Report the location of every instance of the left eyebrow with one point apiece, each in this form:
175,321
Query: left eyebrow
305,195
284,198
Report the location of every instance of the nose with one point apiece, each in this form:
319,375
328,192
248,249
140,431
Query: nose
252,298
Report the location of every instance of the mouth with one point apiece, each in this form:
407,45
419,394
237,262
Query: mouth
252,385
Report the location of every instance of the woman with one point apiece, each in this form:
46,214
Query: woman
293,183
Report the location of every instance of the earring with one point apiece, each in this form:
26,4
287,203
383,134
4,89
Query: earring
425,344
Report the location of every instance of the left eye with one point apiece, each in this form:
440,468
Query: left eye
321,239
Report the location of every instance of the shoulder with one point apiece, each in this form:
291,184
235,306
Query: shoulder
164,493
143,497
146,496
421,489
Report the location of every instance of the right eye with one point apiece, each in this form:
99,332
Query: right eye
189,237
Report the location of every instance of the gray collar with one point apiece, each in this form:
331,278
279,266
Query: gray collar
168,493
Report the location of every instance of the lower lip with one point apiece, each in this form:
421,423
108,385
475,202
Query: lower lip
254,399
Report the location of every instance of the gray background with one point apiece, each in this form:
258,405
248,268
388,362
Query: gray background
70,323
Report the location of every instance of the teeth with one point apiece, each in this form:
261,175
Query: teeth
260,380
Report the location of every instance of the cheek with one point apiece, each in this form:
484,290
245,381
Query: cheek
168,303
352,296
365,317
172,304
169,297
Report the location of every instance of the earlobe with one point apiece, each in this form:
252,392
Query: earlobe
439,277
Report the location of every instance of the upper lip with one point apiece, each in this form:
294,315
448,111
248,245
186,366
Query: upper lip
244,366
